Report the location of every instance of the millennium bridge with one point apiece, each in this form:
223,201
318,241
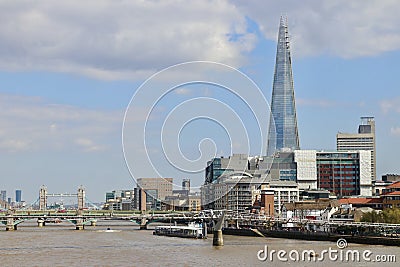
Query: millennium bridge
81,218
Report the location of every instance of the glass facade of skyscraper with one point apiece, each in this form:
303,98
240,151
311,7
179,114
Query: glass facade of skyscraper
18,196
283,132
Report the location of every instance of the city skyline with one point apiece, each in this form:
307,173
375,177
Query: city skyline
66,81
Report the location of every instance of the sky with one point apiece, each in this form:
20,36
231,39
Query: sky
73,73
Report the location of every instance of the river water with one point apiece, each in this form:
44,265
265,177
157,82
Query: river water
61,245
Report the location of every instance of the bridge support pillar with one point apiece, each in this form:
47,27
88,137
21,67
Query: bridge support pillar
10,224
40,223
143,223
218,239
79,224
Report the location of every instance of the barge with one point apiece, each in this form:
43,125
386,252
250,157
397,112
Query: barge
192,230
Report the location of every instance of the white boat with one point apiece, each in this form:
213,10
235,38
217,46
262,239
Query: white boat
108,230
192,230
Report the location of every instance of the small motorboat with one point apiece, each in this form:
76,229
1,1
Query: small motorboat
109,230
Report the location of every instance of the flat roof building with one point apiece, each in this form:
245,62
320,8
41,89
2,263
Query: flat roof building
152,192
363,140
161,186
391,177
345,173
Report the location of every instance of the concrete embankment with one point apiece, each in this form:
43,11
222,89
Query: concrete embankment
315,236
319,236
239,232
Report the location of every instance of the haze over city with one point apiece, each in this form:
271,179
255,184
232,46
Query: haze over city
69,69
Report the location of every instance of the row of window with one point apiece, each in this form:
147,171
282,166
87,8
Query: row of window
342,183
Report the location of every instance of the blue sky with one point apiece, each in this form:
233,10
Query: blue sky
68,71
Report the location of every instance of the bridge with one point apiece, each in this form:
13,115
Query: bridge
43,195
82,218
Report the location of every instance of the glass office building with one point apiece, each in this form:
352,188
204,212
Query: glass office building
283,132
18,196
345,173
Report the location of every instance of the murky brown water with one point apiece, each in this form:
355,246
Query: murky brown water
61,245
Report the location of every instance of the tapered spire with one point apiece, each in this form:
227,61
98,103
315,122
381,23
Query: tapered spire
283,133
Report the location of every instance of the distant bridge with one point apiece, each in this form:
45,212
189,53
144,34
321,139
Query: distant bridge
43,195
82,218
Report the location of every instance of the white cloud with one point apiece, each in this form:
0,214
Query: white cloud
119,39
182,91
31,124
88,145
339,27
390,105
320,103
132,39
13,145
395,131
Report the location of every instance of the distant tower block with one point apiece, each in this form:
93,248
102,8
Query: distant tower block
43,198
186,184
81,198
18,196
142,200
283,133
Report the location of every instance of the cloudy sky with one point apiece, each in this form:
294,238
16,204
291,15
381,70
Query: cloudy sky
68,70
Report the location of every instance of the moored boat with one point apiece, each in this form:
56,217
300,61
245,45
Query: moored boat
192,230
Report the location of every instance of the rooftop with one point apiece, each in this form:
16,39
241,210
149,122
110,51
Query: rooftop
360,200
394,185
311,205
394,193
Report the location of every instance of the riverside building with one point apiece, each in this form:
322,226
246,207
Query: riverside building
364,139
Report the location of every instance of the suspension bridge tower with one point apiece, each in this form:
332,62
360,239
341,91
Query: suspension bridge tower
81,198
43,198
43,195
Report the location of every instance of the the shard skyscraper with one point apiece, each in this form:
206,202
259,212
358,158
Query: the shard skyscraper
283,133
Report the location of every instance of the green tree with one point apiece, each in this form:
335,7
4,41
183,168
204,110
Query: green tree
386,216
391,215
372,217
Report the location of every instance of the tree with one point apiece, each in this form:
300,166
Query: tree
390,215
372,216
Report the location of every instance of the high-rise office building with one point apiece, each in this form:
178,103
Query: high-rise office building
345,173
152,192
218,166
186,185
283,133
162,187
18,194
3,194
363,140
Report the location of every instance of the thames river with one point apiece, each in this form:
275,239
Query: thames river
61,245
